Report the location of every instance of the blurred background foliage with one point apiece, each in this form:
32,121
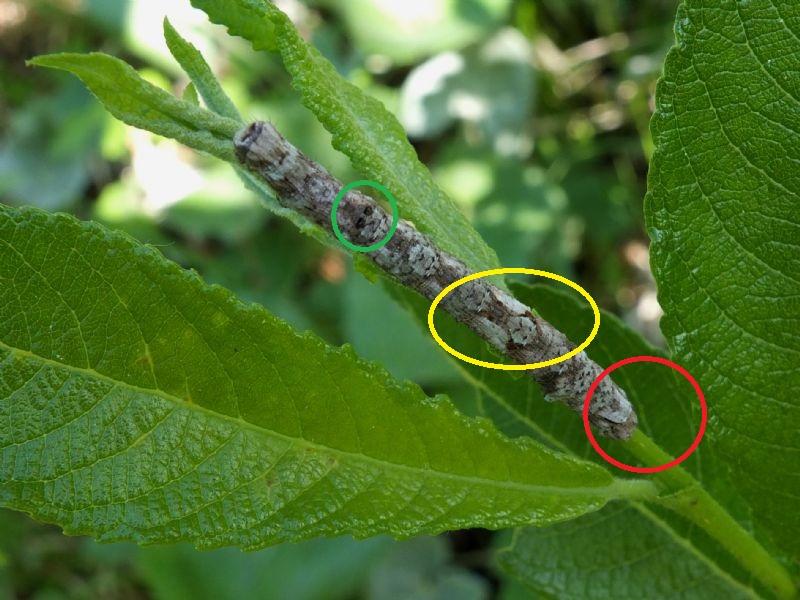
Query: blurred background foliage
532,114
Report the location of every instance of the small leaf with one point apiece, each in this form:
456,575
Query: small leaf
249,19
217,100
140,104
138,403
131,99
200,73
722,214
365,131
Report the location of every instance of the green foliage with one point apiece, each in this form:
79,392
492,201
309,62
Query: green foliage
723,219
496,78
212,431
141,104
133,100
200,73
419,570
366,132
218,101
668,411
339,568
36,560
46,146
624,549
168,410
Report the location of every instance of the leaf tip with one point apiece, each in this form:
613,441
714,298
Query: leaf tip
170,32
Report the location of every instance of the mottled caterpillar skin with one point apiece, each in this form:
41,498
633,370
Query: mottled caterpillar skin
412,259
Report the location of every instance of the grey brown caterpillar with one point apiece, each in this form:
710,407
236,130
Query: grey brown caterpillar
413,260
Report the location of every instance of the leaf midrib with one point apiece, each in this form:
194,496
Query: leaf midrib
616,489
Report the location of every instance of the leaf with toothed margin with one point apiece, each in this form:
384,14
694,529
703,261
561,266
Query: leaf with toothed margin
362,128
138,403
723,215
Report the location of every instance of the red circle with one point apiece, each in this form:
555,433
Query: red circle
635,359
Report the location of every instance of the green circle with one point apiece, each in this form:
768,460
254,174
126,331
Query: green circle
395,216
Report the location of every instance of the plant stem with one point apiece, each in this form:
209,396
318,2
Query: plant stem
686,496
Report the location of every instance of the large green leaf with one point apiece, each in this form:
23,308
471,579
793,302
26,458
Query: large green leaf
546,560
724,220
138,403
362,129
664,400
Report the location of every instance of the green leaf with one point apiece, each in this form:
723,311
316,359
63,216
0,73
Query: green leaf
516,404
365,131
496,75
46,160
138,403
200,73
190,94
249,19
722,214
668,411
615,553
217,100
136,102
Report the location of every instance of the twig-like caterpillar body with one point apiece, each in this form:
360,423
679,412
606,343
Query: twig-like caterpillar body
412,259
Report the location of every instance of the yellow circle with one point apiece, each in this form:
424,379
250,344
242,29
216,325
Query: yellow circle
537,365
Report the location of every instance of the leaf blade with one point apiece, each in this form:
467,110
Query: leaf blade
617,544
666,404
722,216
140,404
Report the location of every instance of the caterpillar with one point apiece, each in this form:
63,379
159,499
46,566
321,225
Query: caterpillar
413,259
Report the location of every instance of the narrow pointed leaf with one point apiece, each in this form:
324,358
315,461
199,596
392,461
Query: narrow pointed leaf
138,403
200,73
